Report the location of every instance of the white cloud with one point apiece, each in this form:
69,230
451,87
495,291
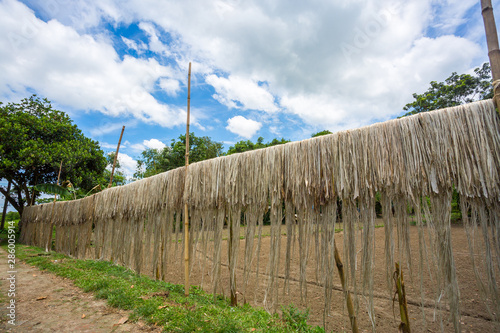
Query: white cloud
78,70
170,86
138,46
106,145
243,127
105,128
155,44
127,164
240,93
154,144
298,50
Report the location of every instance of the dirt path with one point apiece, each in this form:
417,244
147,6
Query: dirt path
48,303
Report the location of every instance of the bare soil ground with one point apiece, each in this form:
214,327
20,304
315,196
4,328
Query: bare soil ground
64,305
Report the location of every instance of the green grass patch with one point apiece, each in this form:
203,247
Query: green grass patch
162,303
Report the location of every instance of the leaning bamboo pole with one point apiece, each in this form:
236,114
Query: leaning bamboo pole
49,241
116,157
186,210
493,48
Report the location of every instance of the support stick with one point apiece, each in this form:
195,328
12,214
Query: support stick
116,157
186,210
347,293
404,327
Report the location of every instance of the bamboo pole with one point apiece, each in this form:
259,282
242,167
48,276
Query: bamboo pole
116,157
404,327
186,210
493,48
232,277
33,194
48,246
347,293
6,203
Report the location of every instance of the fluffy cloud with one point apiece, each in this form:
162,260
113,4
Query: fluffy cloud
78,70
139,46
335,64
299,51
238,92
154,144
127,164
245,128
151,144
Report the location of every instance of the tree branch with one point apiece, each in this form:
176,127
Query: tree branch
11,200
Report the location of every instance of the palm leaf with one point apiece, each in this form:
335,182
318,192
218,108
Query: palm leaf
53,189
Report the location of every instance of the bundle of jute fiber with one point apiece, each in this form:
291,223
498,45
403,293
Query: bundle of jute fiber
413,164
408,160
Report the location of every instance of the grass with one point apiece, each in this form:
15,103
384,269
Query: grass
162,303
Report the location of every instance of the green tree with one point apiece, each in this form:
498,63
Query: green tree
455,90
325,132
242,146
155,161
34,139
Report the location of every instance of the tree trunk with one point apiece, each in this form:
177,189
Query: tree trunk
11,200
6,203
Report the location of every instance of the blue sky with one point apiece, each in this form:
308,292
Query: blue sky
259,68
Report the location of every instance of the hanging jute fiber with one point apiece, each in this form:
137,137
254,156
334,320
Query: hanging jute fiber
302,189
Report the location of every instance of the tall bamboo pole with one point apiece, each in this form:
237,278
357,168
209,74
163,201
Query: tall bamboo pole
493,48
116,157
186,210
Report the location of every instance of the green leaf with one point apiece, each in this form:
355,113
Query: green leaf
53,189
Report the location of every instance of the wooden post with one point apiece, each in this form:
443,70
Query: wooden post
186,210
493,49
5,205
347,293
116,157
404,327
